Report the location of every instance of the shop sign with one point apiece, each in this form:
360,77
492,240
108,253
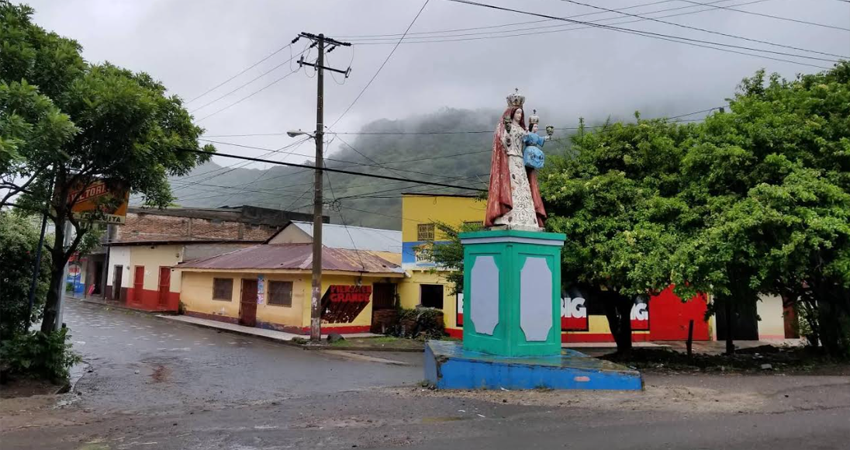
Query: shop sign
343,303
577,306
101,200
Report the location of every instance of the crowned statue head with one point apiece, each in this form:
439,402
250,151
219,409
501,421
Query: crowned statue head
515,112
533,121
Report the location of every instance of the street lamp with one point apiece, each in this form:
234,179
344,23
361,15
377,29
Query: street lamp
316,294
293,133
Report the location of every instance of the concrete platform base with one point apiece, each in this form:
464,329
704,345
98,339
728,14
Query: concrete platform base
449,366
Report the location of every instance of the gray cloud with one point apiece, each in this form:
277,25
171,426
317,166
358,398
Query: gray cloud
192,45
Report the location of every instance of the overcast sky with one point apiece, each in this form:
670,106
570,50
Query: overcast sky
192,45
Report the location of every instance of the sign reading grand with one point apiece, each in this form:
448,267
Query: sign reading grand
343,303
101,201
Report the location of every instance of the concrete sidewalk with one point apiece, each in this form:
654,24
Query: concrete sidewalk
251,331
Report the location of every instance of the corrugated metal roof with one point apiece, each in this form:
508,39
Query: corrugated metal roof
355,238
295,257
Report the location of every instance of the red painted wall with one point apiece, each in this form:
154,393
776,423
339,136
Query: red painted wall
669,317
148,300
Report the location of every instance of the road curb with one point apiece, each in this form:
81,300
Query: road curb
121,307
306,347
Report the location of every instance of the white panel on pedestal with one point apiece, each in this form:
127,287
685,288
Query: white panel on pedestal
484,298
535,299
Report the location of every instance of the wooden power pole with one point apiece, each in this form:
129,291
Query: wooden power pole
324,44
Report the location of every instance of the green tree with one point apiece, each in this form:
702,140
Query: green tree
130,133
616,200
448,253
18,246
768,180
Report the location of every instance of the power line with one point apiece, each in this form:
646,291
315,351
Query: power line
349,172
382,65
248,96
420,133
377,164
243,85
536,30
771,16
734,36
660,36
240,73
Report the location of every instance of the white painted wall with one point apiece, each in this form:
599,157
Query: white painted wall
119,256
771,321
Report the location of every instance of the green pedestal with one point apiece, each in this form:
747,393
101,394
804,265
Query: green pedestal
512,287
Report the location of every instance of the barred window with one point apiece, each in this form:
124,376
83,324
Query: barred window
223,289
425,232
280,293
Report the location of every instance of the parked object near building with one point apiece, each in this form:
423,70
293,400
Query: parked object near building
142,253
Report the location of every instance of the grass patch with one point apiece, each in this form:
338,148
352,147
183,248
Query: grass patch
763,359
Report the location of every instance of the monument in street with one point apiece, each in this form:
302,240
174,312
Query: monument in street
512,285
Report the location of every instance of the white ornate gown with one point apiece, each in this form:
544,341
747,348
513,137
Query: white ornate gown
522,216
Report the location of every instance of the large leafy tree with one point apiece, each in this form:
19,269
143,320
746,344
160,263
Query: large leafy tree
128,131
18,248
769,181
616,201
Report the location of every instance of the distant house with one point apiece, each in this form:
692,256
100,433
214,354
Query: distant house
141,253
269,286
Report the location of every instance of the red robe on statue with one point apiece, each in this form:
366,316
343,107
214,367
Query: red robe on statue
499,200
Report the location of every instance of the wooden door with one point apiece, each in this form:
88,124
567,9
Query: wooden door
138,283
248,303
117,276
383,296
164,285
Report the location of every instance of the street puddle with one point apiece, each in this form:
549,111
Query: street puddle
160,374
441,419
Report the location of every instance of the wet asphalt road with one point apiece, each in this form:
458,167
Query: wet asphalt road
143,363
157,384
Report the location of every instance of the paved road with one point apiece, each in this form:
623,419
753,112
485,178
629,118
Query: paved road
200,389
143,363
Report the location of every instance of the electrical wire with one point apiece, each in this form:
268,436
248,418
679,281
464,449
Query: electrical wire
415,33
206,138
771,16
247,97
242,85
660,36
390,55
537,29
704,30
376,164
240,73
349,172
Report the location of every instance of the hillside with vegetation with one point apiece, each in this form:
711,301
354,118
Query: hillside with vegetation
450,146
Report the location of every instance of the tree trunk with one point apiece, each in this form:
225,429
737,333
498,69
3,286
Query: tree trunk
57,283
618,312
730,326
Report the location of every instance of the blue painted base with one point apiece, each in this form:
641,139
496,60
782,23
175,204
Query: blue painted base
449,366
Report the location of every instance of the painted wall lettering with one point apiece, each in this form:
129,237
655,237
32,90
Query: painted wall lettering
343,303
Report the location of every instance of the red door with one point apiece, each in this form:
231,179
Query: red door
138,284
164,285
669,317
248,303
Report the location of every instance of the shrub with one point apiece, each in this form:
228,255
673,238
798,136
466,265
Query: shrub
39,355
421,323
18,246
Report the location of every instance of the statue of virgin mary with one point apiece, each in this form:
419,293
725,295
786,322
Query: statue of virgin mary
513,200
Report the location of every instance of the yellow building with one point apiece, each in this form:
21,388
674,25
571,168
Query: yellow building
424,284
269,286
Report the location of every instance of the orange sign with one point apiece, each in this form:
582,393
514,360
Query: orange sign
107,203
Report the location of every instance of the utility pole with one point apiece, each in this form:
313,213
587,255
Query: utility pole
323,43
